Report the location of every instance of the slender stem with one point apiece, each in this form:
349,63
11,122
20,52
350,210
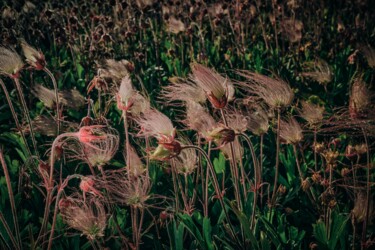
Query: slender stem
7,228
315,153
56,98
206,184
233,164
216,186
27,114
11,198
14,114
127,143
297,163
261,168
368,191
273,198
256,177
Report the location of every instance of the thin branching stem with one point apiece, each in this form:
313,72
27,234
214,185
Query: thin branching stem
273,198
9,232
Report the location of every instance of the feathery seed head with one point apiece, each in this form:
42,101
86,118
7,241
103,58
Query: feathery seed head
175,25
274,92
312,113
115,70
290,131
136,167
238,150
319,71
10,63
237,121
34,57
186,161
183,90
257,121
360,100
85,215
198,119
47,96
155,124
218,89
221,135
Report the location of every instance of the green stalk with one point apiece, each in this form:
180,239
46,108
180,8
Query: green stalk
273,198
56,98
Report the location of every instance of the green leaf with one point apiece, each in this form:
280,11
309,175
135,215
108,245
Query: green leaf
207,230
219,164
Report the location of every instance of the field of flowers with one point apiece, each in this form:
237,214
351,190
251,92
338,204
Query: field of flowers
198,124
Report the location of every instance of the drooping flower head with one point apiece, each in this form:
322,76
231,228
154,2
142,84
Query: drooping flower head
319,71
34,57
10,63
175,25
130,100
274,92
137,167
115,70
238,150
46,95
155,124
219,90
186,162
198,119
290,131
126,189
312,113
360,100
183,90
257,120
85,215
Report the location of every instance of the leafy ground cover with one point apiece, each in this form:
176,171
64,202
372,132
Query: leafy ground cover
187,124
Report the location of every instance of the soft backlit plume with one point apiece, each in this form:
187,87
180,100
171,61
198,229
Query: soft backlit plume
360,100
359,210
274,92
126,189
72,98
292,30
219,90
100,150
221,135
175,25
155,124
10,62
237,121
115,70
198,119
136,167
369,54
47,96
85,215
312,113
184,90
186,162
238,150
257,120
290,131
34,57
318,71
130,100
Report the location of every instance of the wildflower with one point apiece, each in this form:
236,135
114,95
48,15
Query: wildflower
359,210
221,135
97,82
290,131
47,96
45,125
275,92
87,185
237,121
305,185
87,216
136,166
198,119
257,121
183,90
175,25
34,57
129,100
128,190
98,144
218,90
10,63
186,161
115,70
155,124
312,113
360,100
320,72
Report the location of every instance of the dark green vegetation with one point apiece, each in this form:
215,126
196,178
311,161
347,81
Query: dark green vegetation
275,152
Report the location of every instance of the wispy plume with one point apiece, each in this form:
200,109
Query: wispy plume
290,131
183,90
274,92
10,63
